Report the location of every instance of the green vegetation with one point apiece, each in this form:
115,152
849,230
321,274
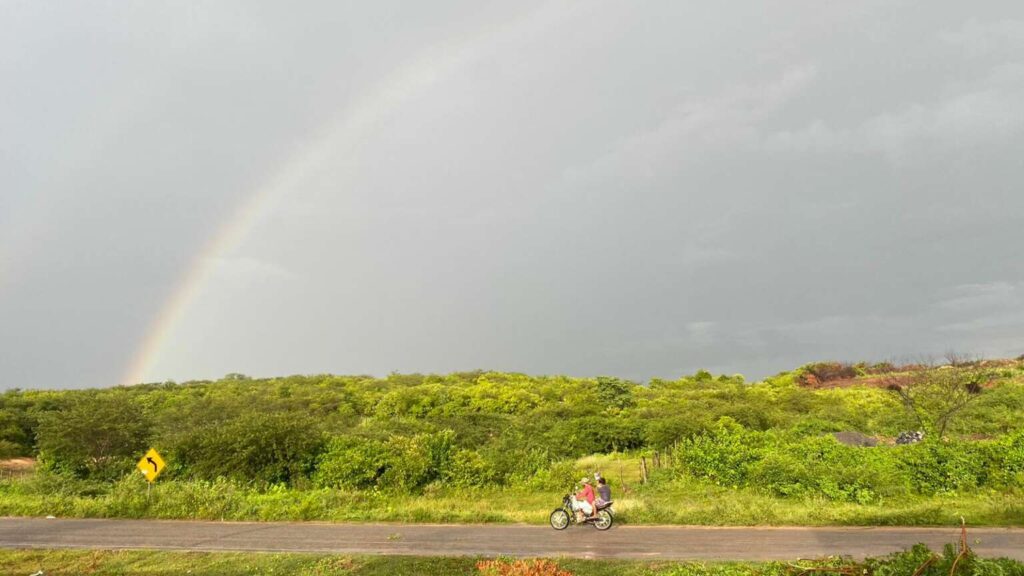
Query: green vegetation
792,464
152,563
495,447
659,502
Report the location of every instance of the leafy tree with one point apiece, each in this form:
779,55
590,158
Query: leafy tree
615,392
95,434
13,439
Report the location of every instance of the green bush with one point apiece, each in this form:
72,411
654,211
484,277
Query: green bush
556,477
406,463
791,466
821,466
469,468
942,468
1010,470
592,434
255,447
351,462
721,455
782,474
667,431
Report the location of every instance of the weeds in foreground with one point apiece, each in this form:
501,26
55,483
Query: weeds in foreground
537,567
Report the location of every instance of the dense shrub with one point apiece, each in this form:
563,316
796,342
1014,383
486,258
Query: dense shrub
822,372
789,465
255,447
469,468
351,462
1010,471
822,466
556,476
938,467
594,434
721,455
514,462
407,463
667,431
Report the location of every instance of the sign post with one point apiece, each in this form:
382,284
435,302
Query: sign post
151,465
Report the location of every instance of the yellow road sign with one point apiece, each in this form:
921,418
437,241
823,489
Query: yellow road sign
151,465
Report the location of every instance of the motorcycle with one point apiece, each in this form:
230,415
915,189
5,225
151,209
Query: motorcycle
562,517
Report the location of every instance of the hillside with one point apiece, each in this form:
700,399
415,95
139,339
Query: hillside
236,442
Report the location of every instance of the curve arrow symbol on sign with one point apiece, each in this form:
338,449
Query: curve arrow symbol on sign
153,463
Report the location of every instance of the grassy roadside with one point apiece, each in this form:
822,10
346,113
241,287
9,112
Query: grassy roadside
154,563
145,563
681,502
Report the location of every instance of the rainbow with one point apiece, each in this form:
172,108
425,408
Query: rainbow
339,140
224,241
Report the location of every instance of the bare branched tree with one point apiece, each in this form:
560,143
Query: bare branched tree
935,395
960,359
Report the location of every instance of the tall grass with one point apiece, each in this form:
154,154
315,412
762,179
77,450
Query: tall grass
662,501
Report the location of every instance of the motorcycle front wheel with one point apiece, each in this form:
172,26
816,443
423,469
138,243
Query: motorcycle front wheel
559,519
604,520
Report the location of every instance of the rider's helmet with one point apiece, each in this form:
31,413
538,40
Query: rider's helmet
585,480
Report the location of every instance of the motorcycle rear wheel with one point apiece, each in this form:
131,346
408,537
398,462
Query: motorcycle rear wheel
559,519
604,520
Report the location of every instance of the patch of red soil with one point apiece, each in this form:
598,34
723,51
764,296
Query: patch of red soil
810,381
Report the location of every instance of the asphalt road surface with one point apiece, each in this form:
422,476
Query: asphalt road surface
638,542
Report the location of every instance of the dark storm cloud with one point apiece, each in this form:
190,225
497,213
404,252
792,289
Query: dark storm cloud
584,188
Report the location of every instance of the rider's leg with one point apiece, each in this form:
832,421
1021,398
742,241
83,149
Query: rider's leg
577,508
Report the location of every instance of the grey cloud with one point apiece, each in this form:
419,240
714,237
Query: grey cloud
989,38
992,110
971,297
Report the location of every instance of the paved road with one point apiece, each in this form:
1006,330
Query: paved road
665,542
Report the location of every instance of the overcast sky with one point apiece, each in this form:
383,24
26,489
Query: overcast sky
636,189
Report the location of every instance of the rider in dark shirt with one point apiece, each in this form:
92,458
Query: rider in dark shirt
604,491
